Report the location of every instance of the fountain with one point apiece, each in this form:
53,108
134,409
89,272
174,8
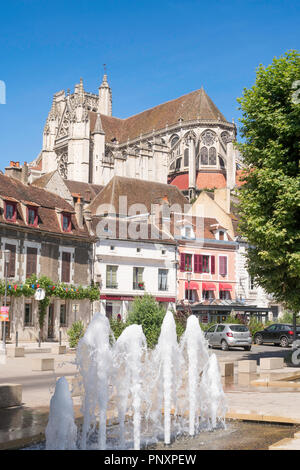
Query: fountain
128,352
159,394
61,431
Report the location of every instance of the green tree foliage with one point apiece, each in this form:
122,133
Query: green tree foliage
117,327
75,332
287,317
270,197
148,313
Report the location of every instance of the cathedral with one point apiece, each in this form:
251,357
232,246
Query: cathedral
186,142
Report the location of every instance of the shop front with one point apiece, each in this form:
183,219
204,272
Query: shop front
118,307
219,313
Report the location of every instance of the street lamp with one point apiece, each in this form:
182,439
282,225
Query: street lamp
6,263
188,278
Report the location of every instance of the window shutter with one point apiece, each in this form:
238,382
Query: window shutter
197,263
212,265
182,261
134,275
65,267
200,263
11,268
223,265
31,261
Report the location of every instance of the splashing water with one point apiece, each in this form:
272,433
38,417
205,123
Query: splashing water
195,346
94,358
128,352
166,361
61,430
213,406
173,389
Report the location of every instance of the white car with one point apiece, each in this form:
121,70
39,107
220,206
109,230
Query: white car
227,336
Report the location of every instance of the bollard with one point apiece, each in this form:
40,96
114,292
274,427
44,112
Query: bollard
60,338
39,339
17,339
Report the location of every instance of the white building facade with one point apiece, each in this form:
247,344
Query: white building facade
126,269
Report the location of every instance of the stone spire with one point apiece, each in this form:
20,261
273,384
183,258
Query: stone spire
81,91
98,129
105,96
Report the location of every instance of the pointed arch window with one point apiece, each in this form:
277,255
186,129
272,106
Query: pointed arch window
174,140
178,163
204,156
186,157
212,156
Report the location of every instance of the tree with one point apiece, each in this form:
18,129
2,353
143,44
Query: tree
270,196
147,312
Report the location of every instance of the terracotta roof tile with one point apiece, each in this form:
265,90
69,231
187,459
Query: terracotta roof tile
137,191
82,188
48,204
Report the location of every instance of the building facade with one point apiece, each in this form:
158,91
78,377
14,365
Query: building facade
129,268
207,269
45,237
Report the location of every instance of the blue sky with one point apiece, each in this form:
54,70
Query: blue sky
155,51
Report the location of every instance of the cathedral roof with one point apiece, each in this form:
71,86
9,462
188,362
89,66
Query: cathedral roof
194,105
137,191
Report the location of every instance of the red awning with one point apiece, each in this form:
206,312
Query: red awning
208,286
223,286
193,285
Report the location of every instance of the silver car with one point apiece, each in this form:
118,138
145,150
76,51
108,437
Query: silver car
227,336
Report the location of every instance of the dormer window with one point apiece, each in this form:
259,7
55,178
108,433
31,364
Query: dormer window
221,235
32,216
66,222
10,211
188,232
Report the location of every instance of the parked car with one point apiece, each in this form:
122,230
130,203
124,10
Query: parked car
278,333
227,336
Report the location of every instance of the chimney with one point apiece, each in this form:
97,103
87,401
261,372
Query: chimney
79,212
88,219
14,170
25,173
